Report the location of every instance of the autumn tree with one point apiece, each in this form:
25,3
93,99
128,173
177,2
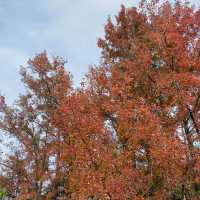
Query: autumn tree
148,91
33,171
131,131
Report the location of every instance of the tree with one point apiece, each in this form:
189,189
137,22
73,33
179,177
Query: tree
2,193
131,131
148,90
33,170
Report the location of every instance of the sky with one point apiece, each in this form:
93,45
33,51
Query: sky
66,28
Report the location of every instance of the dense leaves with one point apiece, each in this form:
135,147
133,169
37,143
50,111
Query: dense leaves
131,131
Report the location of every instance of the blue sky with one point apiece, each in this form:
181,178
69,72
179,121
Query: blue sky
67,28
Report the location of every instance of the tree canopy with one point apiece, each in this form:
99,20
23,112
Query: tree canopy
130,132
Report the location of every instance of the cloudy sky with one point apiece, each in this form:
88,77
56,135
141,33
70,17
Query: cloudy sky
67,28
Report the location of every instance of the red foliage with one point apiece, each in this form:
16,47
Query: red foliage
130,132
